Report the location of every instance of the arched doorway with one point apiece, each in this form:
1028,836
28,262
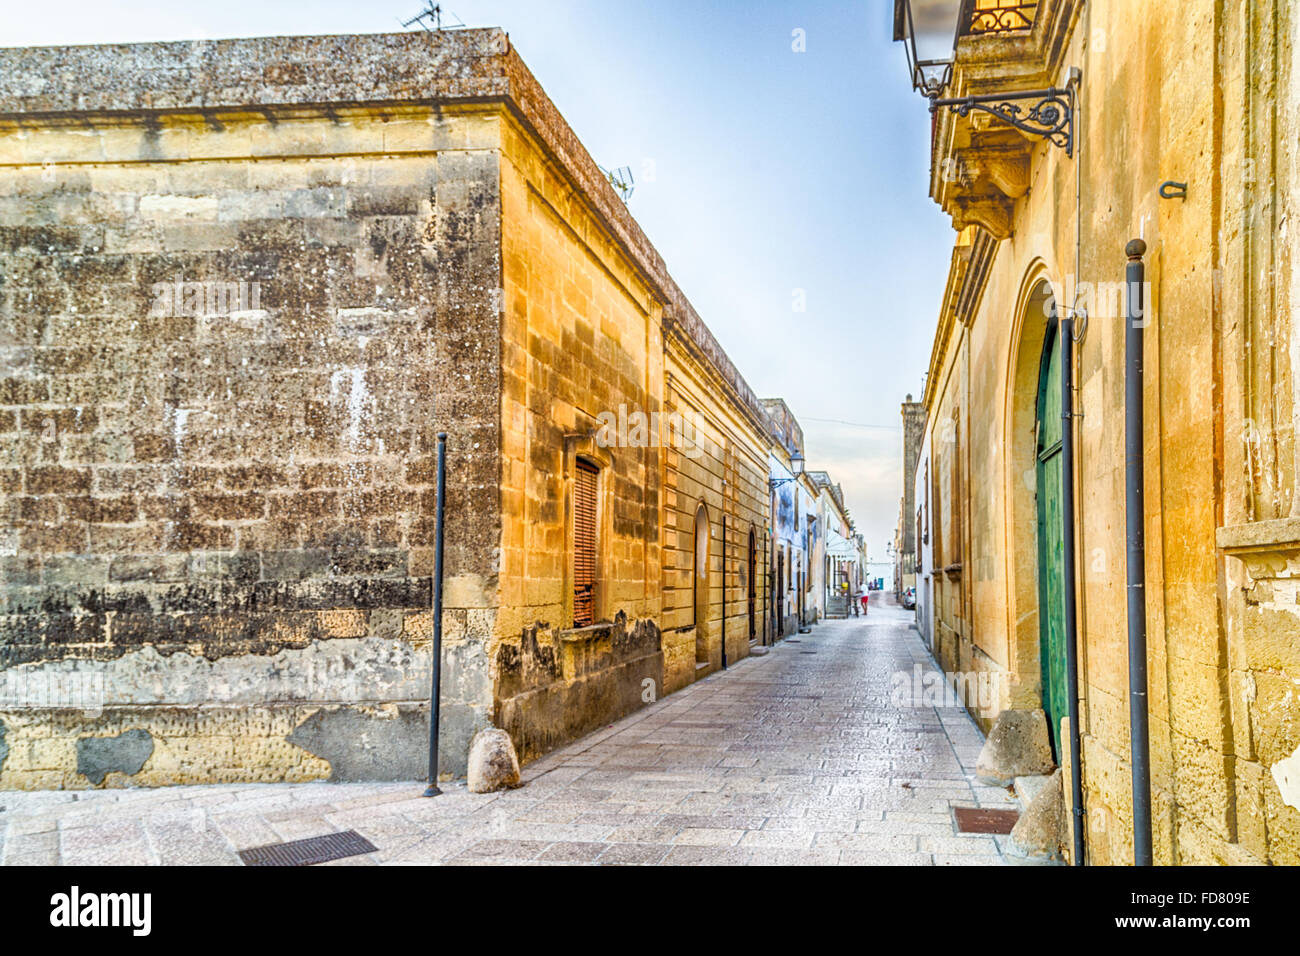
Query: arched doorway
1051,552
778,592
701,584
751,592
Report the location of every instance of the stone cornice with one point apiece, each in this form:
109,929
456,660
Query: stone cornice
1278,536
972,258
980,165
687,342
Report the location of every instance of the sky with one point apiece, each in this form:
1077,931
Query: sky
768,177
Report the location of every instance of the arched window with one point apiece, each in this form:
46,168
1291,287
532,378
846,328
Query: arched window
701,562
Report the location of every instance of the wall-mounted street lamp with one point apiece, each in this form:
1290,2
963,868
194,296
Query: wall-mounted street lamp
796,469
929,30
929,35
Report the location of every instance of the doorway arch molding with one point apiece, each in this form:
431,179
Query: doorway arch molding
1030,323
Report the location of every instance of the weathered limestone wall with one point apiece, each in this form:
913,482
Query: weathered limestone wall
584,352
1202,93
580,340
1257,294
219,507
723,466
219,514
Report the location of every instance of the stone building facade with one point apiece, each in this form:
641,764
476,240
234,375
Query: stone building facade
836,559
790,508
905,563
244,285
1203,94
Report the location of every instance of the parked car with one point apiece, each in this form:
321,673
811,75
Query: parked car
909,598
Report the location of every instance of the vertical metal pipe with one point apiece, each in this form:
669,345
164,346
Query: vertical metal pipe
1066,335
1135,275
724,575
771,562
436,685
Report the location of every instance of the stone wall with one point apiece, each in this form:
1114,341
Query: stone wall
1218,428
580,341
230,338
723,466
243,286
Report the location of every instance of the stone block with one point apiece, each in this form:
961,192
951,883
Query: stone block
1017,745
1039,835
493,764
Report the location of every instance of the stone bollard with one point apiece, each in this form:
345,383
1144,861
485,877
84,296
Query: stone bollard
493,764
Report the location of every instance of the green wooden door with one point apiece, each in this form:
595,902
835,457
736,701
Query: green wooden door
1051,553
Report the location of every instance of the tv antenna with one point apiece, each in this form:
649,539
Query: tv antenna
621,180
431,18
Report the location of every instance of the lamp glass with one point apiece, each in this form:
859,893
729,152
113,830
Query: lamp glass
932,38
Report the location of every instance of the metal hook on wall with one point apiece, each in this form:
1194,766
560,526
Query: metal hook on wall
1173,190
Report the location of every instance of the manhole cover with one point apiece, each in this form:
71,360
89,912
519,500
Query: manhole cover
318,849
980,820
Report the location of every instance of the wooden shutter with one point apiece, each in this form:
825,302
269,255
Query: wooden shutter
584,544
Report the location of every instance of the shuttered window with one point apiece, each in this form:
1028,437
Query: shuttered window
584,544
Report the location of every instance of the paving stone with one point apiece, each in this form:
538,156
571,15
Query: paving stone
787,839
505,849
708,836
777,856
633,854
189,842
32,849
885,858
573,852
707,856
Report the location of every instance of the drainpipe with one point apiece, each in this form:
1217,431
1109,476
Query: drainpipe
771,563
435,687
724,574
1135,274
1066,334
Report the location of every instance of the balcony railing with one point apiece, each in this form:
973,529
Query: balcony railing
984,17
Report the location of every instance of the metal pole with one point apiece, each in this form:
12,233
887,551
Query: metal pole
1066,332
1135,274
435,689
724,575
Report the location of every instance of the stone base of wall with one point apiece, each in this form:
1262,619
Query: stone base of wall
163,746
679,659
556,685
343,709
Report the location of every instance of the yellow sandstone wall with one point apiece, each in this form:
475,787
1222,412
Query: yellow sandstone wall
219,524
725,468
1202,93
584,355
218,521
580,338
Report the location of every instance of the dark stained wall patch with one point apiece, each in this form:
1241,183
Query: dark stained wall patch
126,753
363,745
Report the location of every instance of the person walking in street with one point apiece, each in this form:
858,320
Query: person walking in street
865,598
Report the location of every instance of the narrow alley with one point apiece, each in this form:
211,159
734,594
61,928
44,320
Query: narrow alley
794,757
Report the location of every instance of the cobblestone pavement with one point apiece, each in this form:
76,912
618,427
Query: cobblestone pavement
795,757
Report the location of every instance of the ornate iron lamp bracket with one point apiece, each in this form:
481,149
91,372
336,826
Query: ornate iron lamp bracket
1050,115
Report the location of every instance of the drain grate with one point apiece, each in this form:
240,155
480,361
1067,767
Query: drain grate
317,849
793,640
807,652
977,820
